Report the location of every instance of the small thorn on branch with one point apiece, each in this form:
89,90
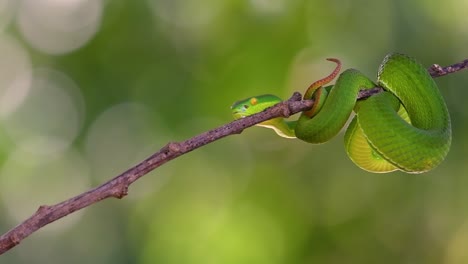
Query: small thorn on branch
296,96
42,209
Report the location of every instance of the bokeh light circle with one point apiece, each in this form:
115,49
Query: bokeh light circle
28,180
59,26
15,75
270,7
120,137
192,14
50,116
7,11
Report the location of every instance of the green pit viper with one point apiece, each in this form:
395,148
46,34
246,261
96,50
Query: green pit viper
406,127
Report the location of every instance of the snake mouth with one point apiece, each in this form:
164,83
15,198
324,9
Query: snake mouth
238,114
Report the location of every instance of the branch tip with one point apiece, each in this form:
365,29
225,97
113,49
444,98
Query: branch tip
437,71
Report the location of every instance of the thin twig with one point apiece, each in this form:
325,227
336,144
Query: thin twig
118,186
437,71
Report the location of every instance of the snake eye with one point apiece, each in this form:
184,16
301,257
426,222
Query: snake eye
253,101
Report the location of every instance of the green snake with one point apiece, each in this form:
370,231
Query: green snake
406,127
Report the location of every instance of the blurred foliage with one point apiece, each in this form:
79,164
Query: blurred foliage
160,70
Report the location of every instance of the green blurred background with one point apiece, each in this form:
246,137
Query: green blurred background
90,87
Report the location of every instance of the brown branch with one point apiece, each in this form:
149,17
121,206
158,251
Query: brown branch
437,71
118,186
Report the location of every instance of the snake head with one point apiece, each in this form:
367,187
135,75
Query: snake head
253,105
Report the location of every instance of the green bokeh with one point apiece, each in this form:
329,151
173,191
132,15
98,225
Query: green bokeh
254,197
